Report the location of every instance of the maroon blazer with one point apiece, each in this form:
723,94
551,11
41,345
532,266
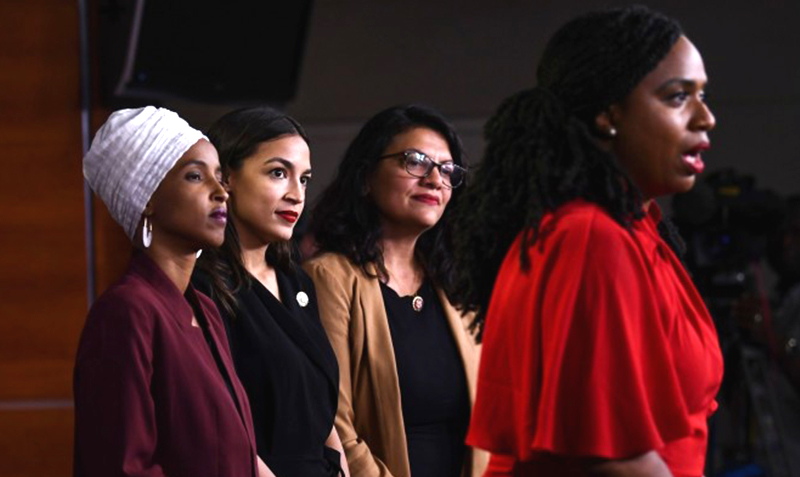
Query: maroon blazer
150,399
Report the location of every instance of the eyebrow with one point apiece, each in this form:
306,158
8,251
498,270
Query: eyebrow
194,162
200,163
430,157
287,164
685,82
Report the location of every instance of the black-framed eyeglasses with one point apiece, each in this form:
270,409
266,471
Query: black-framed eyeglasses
419,164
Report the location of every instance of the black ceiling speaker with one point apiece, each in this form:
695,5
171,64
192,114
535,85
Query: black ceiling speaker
203,50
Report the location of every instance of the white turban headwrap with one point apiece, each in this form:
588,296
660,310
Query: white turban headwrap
130,156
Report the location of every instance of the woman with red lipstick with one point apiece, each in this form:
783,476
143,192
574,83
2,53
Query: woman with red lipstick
268,304
599,356
407,363
156,393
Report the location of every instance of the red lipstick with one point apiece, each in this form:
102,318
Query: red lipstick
427,199
288,215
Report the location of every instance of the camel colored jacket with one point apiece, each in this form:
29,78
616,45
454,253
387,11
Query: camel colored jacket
370,416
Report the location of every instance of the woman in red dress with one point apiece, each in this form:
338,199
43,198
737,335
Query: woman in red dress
599,356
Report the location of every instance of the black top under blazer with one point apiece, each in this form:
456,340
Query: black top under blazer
289,370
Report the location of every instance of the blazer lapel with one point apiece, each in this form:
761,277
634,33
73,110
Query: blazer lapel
295,321
182,311
464,341
163,288
383,367
224,356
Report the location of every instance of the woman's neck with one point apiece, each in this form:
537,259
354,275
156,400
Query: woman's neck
405,273
254,260
253,251
177,267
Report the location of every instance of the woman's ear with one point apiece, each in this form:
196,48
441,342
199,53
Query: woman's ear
229,181
604,123
148,209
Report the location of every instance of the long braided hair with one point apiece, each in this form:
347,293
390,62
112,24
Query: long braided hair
542,145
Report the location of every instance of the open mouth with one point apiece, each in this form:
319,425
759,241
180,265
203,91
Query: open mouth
693,160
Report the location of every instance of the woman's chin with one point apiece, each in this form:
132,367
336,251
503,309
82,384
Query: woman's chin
211,242
684,185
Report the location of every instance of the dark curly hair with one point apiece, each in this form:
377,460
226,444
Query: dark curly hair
345,220
236,136
542,144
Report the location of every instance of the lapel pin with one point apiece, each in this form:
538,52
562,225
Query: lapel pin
417,303
302,298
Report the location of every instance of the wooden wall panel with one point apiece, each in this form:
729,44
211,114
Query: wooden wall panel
112,248
39,445
42,269
42,263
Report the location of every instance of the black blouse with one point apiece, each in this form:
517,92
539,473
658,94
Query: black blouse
433,384
287,366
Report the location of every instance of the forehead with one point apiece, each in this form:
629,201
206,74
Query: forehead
422,139
202,151
683,62
291,148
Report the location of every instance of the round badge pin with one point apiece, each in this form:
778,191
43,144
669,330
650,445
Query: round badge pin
417,303
302,298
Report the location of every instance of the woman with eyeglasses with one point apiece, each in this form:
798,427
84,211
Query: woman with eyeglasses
383,274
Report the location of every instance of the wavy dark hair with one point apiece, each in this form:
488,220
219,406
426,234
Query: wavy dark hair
345,220
237,136
543,145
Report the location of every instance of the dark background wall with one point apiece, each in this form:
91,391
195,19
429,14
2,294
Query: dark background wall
361,56
465,57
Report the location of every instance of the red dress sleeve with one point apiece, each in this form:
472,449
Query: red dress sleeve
575,359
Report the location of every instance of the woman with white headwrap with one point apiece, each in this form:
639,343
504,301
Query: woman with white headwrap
155,389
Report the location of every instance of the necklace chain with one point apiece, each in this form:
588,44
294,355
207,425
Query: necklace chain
417,302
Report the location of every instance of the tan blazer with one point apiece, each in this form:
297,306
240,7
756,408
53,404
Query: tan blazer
370,417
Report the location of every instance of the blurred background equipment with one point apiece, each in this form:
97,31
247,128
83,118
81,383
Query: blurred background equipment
745,265
204,50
